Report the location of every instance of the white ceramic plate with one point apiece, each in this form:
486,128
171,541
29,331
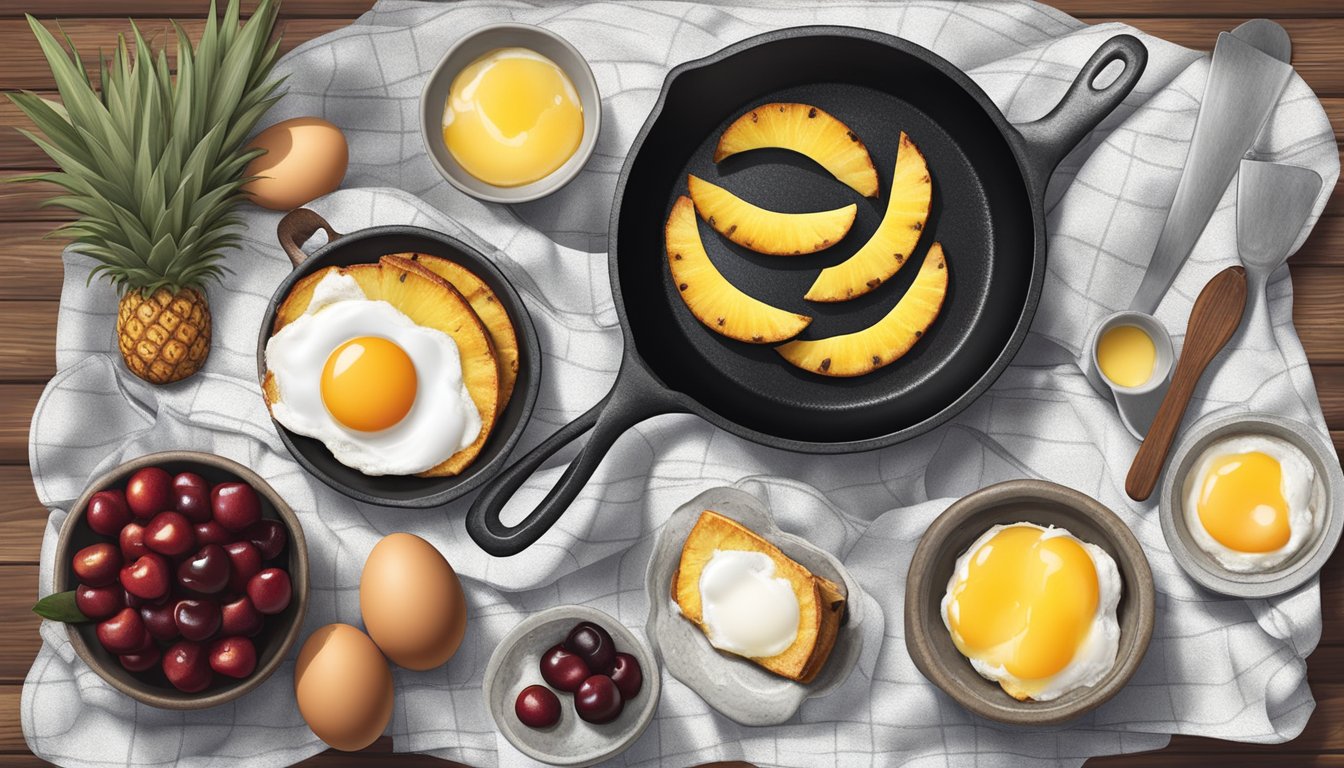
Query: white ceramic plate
516,664
737,688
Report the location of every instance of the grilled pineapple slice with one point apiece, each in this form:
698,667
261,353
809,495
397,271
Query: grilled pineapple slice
487,307
432,302
711,298
890,246
369,277
763,231
807,130
884,342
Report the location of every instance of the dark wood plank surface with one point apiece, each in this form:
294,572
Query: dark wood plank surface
31,290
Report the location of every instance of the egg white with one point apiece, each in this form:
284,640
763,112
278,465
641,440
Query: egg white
443,419
1301,486
1094,657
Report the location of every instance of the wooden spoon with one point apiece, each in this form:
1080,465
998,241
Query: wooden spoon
1213,320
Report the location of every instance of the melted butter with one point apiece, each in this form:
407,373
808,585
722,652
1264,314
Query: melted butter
746,609
1241,502
512,117
1126,356
1025,603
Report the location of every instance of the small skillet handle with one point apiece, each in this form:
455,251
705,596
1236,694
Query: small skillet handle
634,397
1084,105
296,227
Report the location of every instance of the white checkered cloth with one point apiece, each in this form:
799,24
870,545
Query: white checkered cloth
1232,669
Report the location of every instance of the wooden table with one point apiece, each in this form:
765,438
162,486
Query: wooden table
31,285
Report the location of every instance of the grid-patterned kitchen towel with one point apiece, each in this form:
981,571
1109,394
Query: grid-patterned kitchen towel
1228,668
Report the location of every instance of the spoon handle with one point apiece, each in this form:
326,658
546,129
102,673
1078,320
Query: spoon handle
1213,320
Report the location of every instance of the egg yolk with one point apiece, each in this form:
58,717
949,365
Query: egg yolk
368,383
512,117
1026,603
1241,502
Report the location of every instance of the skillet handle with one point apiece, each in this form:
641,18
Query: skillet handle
1084,105
634,397
296,227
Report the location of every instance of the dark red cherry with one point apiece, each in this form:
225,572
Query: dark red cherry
97,564
593,644
563,670
99,603
147,578
124,632
197,619
537,707
169,533
270,591
107,512
211,533
236,506
627,675
598,700
244,563
240,617
160,622
132,542
205,572
187,667
269,537
149,492
191,495
143,661
233,656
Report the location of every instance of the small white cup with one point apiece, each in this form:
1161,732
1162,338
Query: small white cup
1138,405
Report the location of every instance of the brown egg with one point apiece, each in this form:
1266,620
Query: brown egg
412,602
344,687
305,159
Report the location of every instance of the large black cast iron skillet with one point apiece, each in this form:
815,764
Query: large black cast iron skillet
367,246
989,181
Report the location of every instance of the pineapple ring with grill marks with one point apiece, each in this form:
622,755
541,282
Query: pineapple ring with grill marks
809,131
890,246
714,301
765,231
887,340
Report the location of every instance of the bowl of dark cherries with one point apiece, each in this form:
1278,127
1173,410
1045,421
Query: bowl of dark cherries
571,686
182,578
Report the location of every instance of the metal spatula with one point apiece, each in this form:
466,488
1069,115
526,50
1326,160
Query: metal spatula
1273,202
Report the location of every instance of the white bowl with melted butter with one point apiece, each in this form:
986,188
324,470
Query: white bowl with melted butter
511,113
1252,505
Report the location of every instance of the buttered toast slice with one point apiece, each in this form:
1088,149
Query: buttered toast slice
821,603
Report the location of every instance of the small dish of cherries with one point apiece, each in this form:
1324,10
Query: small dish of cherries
577,653
182,588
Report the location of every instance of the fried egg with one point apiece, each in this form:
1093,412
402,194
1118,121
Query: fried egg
383,394
1253,501
1034,609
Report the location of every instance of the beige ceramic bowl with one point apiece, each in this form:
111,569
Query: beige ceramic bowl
952,533
277,635
472,46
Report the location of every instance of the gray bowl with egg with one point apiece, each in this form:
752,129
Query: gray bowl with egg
954,531
478,43
1327,520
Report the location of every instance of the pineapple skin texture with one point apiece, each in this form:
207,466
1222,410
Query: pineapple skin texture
164,337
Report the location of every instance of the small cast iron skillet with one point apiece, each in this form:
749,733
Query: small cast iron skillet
367,246
989,180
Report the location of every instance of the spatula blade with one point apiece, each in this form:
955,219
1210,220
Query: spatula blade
1273,202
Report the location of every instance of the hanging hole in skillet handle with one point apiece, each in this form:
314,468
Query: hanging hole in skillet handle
296,227
634,397
1085,104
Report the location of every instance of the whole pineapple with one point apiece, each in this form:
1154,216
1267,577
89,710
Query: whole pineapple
154,166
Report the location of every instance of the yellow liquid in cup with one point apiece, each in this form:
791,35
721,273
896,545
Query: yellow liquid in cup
1126,356
512,117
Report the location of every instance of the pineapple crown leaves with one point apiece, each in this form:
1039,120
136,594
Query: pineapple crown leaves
154,164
